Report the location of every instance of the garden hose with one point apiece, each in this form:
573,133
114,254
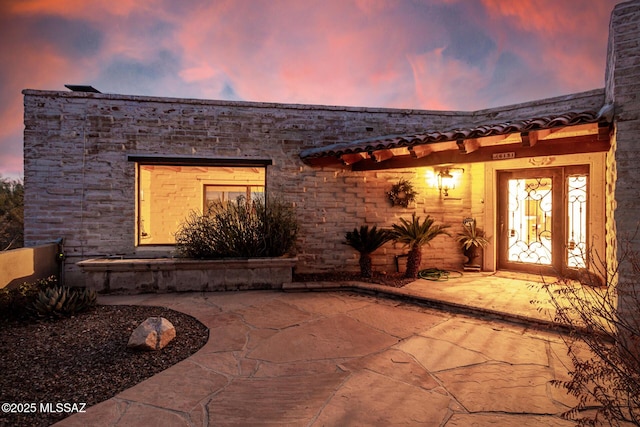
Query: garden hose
438,275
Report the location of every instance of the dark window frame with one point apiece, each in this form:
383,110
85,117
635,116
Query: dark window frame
163,160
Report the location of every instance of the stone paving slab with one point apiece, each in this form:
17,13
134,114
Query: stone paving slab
438,355
342,358
493,341
331,338
286,400
371,399
397,320
331,304
274,314
185,383
490,295
502,387
398,365
504,420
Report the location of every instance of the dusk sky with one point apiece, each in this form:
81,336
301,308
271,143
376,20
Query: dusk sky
423,54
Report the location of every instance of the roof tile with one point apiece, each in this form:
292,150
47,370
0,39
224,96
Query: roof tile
435,136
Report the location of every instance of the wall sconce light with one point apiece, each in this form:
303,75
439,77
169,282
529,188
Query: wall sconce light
447,179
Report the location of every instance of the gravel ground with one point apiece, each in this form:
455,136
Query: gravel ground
83,359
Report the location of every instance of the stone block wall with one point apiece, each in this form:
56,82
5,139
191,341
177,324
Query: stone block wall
181,275
623,89
80,185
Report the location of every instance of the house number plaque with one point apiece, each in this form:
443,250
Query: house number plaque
503,156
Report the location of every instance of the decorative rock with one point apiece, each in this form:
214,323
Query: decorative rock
152,334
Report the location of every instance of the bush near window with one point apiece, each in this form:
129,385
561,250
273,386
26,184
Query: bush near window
239,229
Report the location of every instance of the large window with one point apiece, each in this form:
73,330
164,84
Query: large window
168,193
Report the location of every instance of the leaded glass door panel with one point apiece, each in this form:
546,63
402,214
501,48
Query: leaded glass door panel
542,220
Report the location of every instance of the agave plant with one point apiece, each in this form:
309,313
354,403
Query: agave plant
472,236
472,239
366,241
415,235
63,301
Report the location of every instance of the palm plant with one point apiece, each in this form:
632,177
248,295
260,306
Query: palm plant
366,241
472,239
472,236
415,235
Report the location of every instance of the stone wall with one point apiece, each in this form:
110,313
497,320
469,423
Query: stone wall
186,275
79,184
623,88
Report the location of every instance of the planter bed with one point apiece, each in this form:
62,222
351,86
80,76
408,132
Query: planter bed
137,275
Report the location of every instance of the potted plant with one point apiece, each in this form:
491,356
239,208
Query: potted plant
415,235
366,241
472,240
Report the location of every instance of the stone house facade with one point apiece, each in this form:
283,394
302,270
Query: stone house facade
91,161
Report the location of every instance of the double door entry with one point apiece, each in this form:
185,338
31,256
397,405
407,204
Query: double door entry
542,220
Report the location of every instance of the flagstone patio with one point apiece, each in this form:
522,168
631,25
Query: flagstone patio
348,358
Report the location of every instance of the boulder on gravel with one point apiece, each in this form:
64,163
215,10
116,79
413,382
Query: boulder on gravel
152,334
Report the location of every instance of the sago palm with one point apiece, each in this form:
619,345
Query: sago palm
366,241
415,235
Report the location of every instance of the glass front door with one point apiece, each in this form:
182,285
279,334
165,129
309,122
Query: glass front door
542,220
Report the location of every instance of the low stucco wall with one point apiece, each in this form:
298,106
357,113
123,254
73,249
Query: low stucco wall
176,275
22,265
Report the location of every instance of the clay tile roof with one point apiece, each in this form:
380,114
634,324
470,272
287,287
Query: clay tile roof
434,136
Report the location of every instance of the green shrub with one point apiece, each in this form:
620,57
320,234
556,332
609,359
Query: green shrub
63,301
16,303
279,225
196,237
239,229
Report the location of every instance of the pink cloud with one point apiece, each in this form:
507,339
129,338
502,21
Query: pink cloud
446,84
569,37
27,65
554,17
198,73
95,9
365,53
304,52
532,15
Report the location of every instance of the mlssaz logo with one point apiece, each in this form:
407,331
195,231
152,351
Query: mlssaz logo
60,407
